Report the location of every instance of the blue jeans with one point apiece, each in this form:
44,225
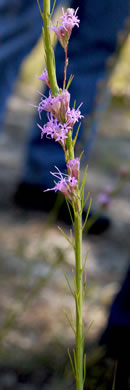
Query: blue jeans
89,48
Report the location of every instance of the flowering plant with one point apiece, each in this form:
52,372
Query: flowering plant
59,127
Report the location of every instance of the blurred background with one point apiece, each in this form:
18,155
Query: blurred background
34,333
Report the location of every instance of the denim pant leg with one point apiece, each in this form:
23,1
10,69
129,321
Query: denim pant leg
20,28
8,76
89,48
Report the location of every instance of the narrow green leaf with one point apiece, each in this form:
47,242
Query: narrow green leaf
84,177
84,372
77,305
69,211
72,318
65,236
75,363
70,323
85,260
89,327
74,279
69,81
41,13
83,183
74,104
82,199
84,285
71,362
53,9
88,194
87,214
67,280
71,236
76,135
91,221
80,156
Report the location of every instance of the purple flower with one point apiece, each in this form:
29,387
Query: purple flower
44,77
63,187
73,116
55,130
104,200
66,184
73,166
57,105
65,25
72,182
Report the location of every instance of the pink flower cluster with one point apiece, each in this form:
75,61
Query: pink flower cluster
55,130
65,25
57,105
67,184
74,167
61,118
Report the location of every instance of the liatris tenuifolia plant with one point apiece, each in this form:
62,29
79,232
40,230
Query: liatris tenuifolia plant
59,126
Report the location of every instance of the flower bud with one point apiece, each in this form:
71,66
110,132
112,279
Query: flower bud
73,166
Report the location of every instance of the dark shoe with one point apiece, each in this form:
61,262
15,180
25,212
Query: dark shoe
116,336
96,224
31,197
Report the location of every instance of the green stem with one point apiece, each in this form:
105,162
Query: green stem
70,147
50,63
79,296
50,59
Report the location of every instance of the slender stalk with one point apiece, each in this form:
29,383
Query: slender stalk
70,148
76,204
79,296
50,59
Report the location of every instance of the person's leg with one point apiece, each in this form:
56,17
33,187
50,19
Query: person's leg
20,28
